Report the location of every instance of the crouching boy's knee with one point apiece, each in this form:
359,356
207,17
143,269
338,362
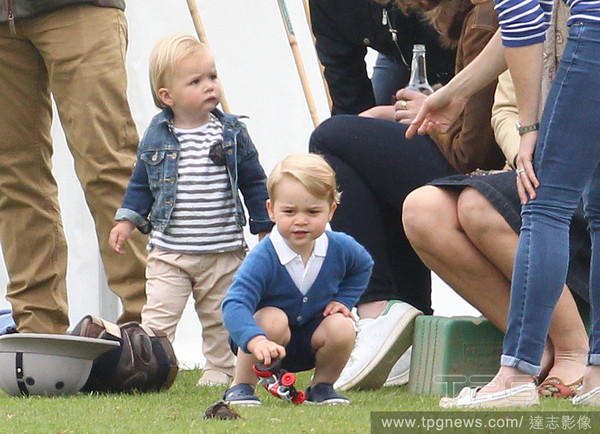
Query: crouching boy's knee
335,331
275,324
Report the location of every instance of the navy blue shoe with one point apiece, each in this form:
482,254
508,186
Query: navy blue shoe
323,394
241,394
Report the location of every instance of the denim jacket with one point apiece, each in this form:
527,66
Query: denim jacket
151,193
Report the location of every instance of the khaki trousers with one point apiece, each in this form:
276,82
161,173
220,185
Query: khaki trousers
172,277
77,55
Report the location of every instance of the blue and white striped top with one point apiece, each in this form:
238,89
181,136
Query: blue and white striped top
524,22
203,218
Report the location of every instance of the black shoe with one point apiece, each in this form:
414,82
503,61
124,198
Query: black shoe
323,394
241,394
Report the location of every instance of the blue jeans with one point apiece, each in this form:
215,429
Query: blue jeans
567,161
388,77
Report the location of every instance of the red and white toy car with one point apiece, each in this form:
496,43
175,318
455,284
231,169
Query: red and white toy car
279,382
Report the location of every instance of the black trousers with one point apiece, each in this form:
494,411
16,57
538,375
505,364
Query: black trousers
376,168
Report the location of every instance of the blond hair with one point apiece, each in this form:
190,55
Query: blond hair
165,57
312,171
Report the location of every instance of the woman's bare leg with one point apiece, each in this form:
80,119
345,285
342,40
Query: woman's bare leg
432,225
456,235
494,238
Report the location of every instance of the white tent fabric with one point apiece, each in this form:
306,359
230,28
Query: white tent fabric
260,80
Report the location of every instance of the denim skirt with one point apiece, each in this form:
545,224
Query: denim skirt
500,189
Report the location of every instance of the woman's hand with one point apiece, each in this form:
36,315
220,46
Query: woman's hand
408,103
438,112
385,112
527,181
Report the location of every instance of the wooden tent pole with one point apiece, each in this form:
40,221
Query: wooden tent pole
321,67
298,60
202,37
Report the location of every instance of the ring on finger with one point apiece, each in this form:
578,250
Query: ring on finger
520,172
403,104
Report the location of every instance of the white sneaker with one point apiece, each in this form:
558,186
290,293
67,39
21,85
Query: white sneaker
401,371
379,343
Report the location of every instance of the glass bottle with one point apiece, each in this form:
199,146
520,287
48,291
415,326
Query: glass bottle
418,71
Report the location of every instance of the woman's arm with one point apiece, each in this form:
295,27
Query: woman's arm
442,108
526,64
504,118
469,143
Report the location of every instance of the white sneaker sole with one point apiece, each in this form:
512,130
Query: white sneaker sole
399,380
329,402
209,383
375,373
241,403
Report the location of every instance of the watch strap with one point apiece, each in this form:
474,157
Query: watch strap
522,129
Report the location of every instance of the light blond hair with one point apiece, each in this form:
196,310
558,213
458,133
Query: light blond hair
166,56
312,171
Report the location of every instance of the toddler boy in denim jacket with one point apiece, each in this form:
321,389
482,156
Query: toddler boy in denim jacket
192,162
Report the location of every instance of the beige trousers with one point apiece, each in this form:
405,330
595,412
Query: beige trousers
77,55
172,277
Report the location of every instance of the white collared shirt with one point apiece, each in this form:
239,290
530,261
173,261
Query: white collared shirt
303,277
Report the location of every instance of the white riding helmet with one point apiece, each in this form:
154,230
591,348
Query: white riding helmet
47,365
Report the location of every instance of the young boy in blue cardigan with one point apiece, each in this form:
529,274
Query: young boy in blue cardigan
291,297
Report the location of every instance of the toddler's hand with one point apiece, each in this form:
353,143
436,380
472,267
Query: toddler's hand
119,234
337,307
265,350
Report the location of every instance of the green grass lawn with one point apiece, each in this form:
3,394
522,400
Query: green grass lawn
180,410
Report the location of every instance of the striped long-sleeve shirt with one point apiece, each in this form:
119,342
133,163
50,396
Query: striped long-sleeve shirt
203,218
524,22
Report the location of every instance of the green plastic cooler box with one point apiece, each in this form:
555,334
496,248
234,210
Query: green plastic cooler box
451,353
